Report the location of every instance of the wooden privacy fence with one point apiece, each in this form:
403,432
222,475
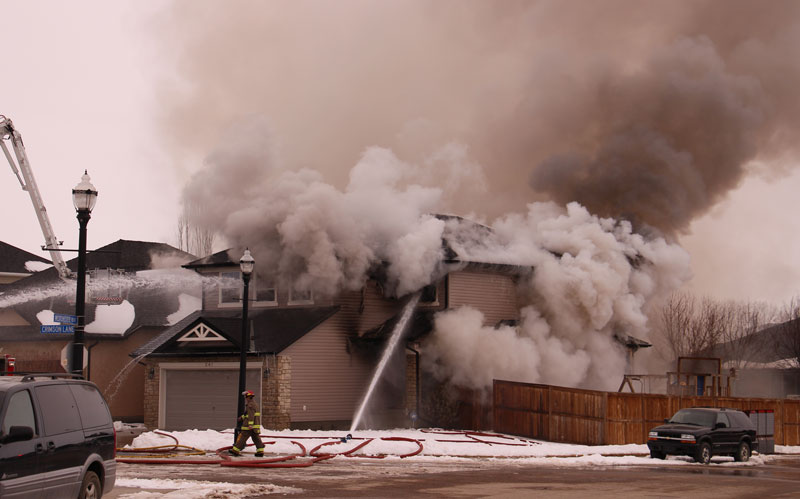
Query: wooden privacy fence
590,417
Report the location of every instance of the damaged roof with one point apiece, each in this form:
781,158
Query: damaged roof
420,324
152,305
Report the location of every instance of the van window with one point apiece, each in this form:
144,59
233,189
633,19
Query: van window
59,411
19,412
91,406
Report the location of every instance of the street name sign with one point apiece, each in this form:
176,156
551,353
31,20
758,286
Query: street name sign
58,329
65,318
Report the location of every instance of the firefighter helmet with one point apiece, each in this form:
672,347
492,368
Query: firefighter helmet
248,393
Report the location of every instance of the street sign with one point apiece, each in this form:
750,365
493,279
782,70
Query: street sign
65,319
58,329
66,357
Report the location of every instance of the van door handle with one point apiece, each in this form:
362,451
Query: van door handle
39,448
51,446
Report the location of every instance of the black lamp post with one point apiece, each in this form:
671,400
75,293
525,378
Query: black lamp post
84,195
246,264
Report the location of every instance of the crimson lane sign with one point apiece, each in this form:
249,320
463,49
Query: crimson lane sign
58,329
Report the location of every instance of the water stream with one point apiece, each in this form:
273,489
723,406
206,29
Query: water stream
113,385
399,329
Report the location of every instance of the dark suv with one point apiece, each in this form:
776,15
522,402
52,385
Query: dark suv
57,438
702,432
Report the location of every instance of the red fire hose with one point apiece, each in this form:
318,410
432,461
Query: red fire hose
175,453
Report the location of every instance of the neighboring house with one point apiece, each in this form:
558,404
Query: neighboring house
774,370
309,360
16,264
127,304
764,364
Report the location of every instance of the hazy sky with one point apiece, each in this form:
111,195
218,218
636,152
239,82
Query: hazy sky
138,93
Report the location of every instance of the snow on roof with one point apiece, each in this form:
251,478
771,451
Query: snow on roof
37,266
112,319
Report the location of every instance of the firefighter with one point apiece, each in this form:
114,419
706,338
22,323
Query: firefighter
250,426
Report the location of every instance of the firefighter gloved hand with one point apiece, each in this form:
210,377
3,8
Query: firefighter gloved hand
257,430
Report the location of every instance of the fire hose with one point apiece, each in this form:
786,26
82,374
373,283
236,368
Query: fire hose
173,454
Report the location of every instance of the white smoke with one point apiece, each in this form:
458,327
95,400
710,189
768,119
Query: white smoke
593,279
310,234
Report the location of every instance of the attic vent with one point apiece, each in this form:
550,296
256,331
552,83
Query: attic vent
201,332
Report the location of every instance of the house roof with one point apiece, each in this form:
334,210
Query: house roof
216,259
274,330
45,290
13,259
772,343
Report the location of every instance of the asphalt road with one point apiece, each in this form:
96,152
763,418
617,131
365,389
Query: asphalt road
496,478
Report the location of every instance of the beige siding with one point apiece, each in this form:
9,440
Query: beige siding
492,293
328,376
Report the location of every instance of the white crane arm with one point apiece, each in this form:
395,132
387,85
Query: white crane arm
22,169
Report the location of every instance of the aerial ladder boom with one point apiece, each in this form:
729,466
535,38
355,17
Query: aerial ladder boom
22,169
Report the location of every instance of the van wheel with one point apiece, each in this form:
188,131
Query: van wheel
703,455
90,488
743,452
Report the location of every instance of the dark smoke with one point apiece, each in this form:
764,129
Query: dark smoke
647,110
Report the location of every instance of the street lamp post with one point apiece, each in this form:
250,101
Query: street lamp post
84,195
246,264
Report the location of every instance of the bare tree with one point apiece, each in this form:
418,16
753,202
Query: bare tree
183,231
676,318
740,341
693,327
705,327
193,236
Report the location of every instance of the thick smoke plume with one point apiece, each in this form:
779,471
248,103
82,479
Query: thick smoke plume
645,110
603,127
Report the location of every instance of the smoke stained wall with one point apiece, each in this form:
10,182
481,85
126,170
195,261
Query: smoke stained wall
596,131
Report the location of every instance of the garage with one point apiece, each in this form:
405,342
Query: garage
203,395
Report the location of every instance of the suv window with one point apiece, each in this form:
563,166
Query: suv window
740,419
59,411
19,412
91,406
723,418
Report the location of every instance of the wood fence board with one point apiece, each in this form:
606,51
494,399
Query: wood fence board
608,418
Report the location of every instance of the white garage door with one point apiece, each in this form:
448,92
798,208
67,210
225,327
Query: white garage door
204,398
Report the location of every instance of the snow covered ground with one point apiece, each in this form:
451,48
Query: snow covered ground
436,445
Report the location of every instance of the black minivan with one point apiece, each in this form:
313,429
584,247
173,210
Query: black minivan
57,438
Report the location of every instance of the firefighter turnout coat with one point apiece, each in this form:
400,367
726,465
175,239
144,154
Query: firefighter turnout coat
251,427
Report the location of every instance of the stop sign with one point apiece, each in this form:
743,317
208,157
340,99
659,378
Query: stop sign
66,357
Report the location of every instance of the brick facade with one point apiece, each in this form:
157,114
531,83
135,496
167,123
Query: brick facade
276,393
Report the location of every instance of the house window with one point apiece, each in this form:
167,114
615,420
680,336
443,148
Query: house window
264,292
230,289
429,295
300,297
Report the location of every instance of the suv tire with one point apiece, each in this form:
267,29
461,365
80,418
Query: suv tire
90,488
743,452
657,455
703,455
